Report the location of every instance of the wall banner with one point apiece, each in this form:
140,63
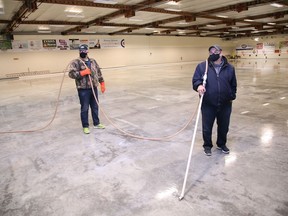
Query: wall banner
269,47
112,43
259,46
18,45
5,44
49,44
74,44
59,44
244,47
94,44
35,45
283,46
62,44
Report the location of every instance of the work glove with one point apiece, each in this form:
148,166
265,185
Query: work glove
102,84
85,72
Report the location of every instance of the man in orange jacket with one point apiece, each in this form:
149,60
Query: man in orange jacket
80,70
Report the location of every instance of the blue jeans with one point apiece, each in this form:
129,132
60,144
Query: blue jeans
87,99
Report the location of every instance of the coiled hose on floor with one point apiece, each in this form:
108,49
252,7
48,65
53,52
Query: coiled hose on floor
168,137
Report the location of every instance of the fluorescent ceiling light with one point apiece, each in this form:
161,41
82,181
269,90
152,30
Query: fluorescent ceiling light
248,20
134,20
105,1
44,31
183,23
172,3
276,5
43,28
271,23
74,10
57,26
172,9
221,16
90,32
75,15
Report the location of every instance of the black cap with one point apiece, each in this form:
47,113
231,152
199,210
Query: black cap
83,47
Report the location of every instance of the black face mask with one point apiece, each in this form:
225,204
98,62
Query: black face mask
83,55
214,57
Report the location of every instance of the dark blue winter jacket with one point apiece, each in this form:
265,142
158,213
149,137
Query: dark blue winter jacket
220,89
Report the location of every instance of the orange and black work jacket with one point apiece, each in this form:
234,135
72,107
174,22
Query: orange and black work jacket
220,87
83,82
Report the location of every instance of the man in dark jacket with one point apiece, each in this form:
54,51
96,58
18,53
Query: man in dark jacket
80,70
218,94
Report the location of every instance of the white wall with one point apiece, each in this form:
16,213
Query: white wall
258,54
139,50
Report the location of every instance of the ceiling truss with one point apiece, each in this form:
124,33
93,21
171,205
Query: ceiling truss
236,27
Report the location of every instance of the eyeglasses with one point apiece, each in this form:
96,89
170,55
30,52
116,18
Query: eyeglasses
83,51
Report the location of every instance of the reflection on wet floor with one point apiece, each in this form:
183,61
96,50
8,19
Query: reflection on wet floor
61,171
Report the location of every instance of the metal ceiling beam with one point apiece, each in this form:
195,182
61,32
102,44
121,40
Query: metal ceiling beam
194,27
83,3
97,21
249,34
4,21
205,14
28,6
147,6
32,22
127,12
156,24
239,6
242,20
124,10
277,14
48,22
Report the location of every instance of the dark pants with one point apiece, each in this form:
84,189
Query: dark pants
87,99
222,115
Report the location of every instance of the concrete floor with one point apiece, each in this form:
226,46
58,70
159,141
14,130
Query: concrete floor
62,172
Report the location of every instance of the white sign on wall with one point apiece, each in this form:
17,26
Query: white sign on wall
64,44
112,43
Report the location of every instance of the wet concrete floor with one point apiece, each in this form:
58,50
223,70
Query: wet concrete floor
61,171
